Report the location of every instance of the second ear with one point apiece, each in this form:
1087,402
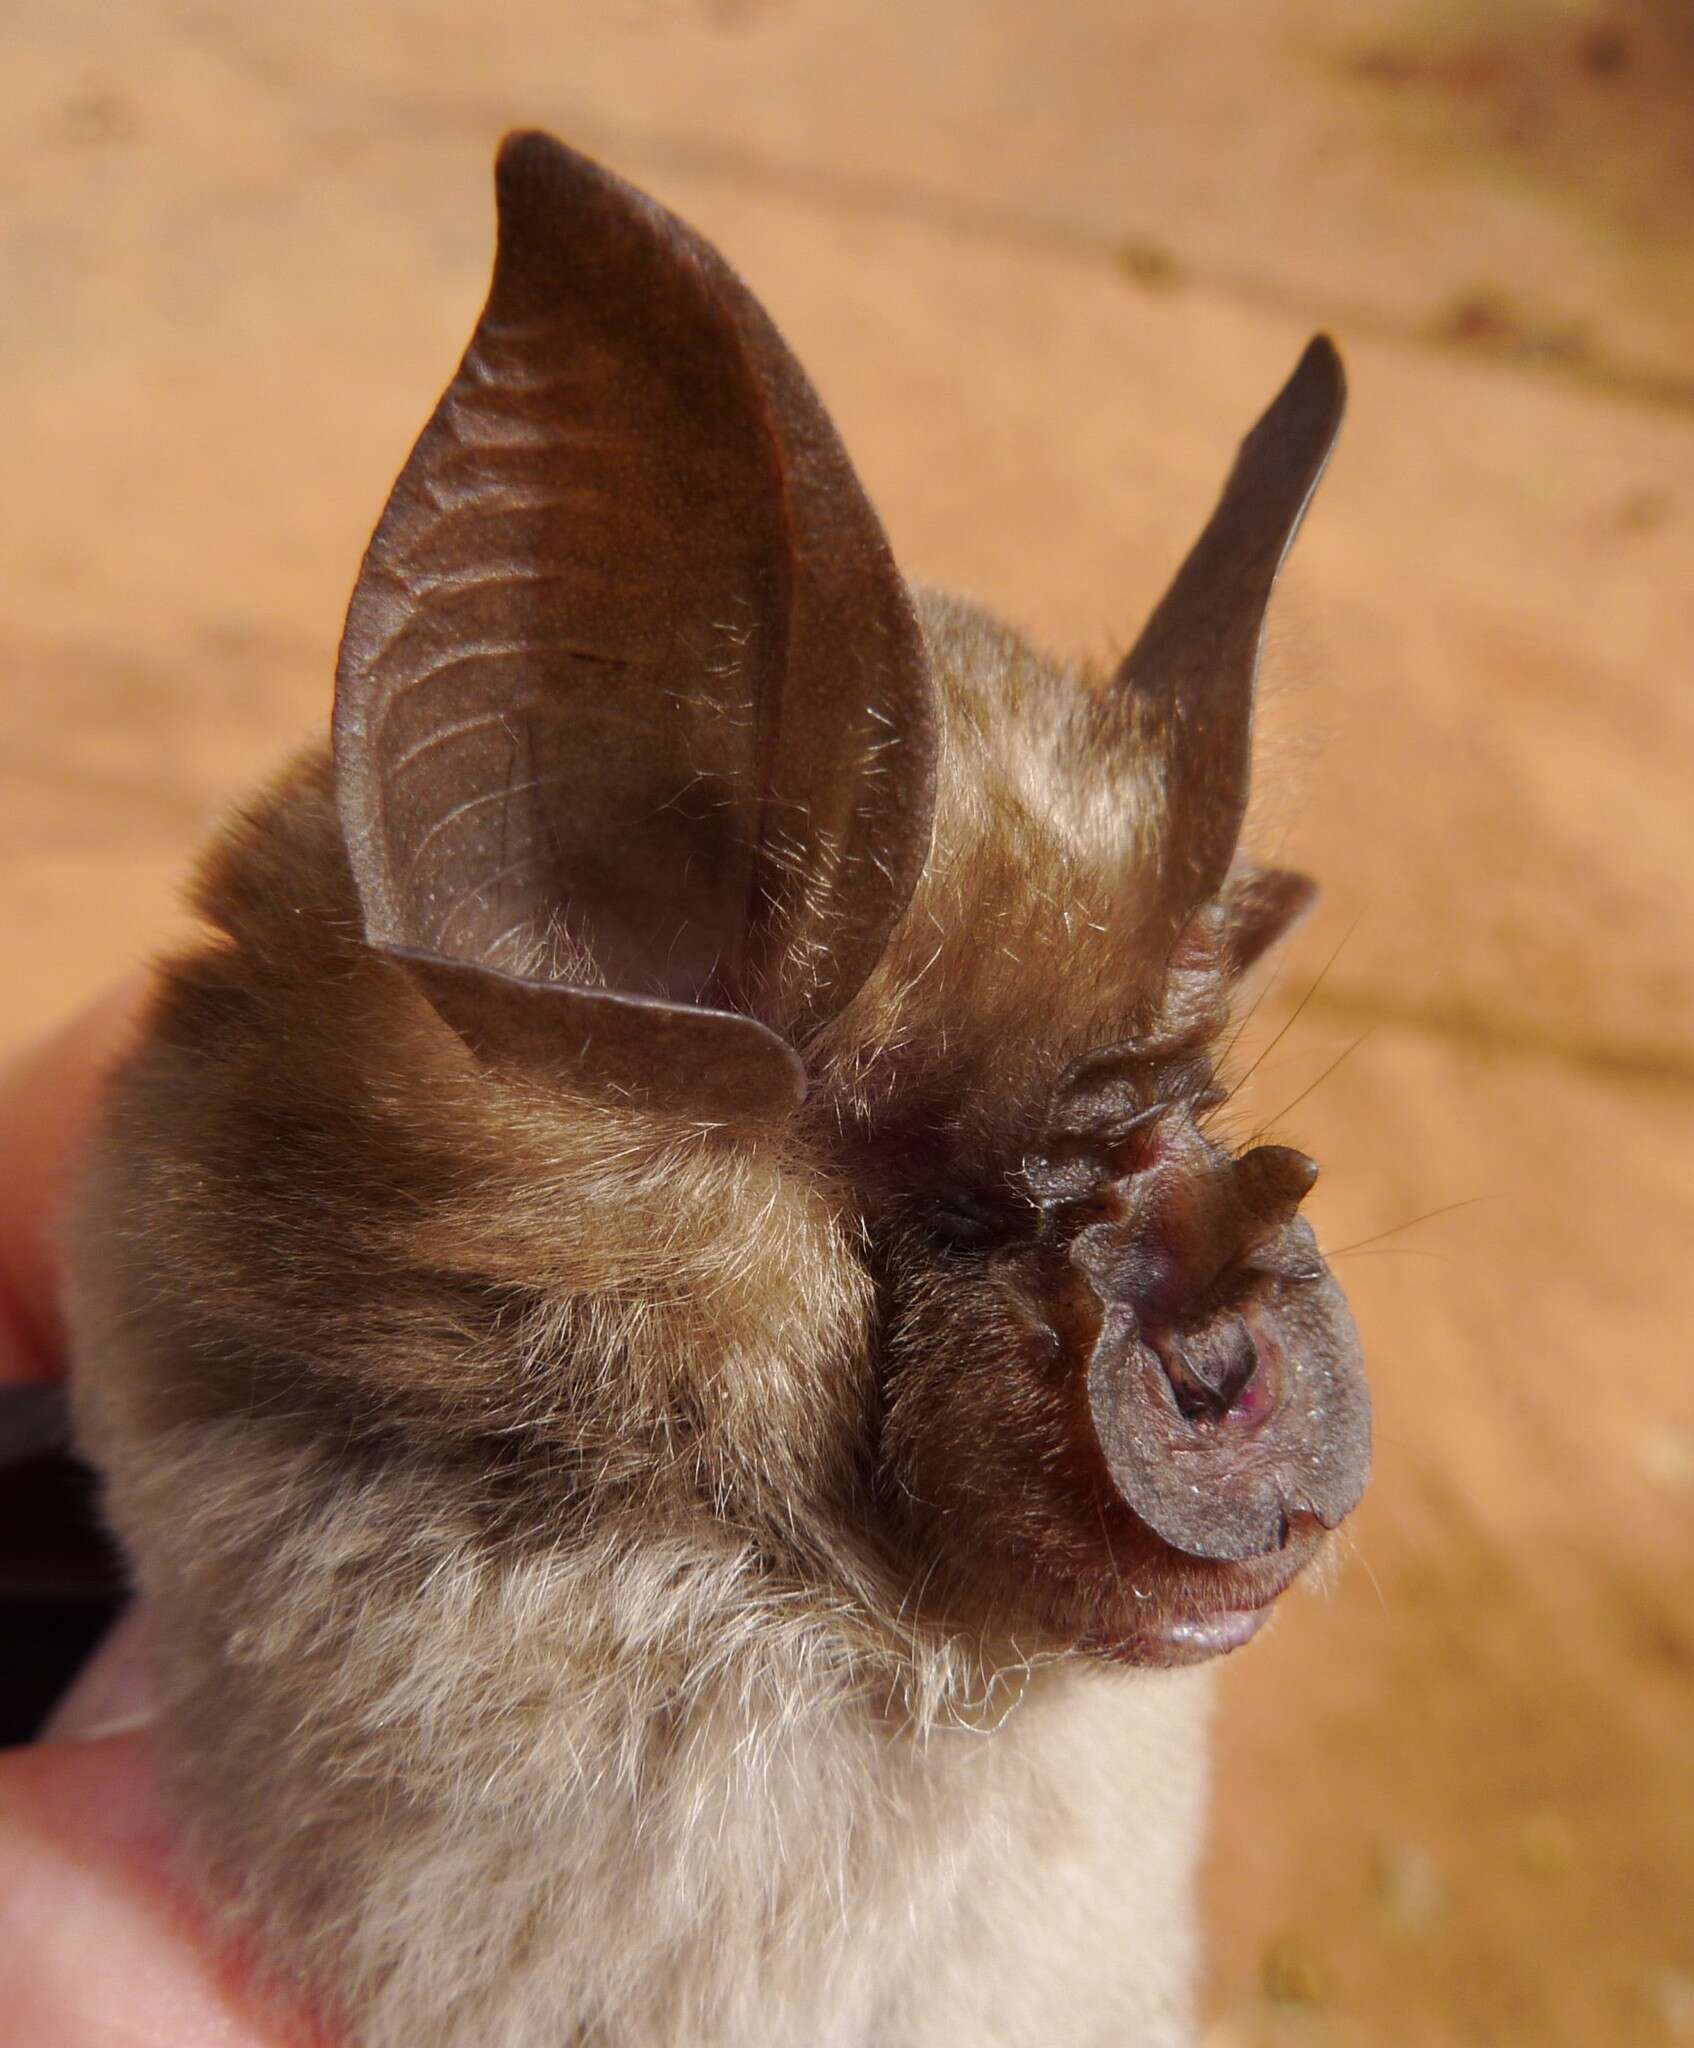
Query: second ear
1183,696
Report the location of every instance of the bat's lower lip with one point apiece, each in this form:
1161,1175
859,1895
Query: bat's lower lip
1176,1643
1216,1636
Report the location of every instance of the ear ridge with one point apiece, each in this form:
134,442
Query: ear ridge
629,655
1187,684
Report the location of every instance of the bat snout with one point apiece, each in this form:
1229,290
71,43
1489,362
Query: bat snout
1224,1395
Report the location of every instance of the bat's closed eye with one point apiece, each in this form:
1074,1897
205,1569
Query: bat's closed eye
966,1222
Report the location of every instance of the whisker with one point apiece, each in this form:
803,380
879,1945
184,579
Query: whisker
1388,1251
1299,1008
1364,1564
1247,1015
1428,1216
1346,1053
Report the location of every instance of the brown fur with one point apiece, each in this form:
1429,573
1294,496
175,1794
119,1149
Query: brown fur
620,1579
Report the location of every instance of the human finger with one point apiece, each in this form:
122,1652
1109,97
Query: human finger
47,1103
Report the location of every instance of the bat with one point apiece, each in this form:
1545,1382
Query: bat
671,1335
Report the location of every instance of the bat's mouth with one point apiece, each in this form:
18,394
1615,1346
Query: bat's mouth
1210,1611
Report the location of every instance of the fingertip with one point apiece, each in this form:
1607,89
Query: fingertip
95,1948
48,1099
113,1692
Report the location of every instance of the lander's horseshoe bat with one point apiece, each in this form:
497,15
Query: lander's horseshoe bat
671,1336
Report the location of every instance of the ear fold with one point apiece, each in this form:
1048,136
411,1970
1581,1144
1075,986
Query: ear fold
634,732
1185,690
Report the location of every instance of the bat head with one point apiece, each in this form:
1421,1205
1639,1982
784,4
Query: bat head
665,810
1123,1394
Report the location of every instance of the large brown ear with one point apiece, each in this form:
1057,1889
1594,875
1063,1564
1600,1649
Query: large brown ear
1185,689
634,731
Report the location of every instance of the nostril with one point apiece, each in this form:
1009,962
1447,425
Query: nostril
1211,1368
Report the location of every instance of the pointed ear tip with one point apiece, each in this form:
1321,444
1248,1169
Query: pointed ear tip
1320,364
533,169
545,195
523,150
1306,413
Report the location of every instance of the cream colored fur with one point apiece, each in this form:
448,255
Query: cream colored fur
628,1795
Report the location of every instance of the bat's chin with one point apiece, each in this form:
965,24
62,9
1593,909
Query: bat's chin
1207,1610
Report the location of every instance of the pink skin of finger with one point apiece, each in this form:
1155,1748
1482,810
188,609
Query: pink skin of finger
95,1952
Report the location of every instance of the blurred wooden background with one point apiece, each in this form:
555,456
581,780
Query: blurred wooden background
1046,260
